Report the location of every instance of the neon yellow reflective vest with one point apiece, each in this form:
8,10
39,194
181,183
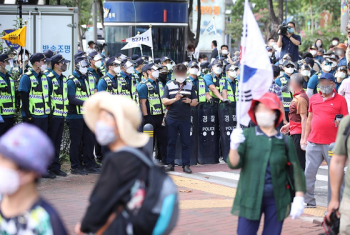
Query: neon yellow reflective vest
7,97
219,86
287,96
59,96
155,98
232,97
39,103
201,89
123,88
80,94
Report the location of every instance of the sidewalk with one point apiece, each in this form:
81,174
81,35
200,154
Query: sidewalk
204,207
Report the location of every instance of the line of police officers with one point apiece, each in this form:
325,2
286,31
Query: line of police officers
48,97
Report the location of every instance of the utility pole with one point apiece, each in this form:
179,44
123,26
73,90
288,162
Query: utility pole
95,20
20,3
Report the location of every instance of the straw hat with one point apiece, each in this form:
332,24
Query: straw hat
126,112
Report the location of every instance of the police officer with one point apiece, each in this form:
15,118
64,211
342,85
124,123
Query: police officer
59,108
127,78
232,72
283,82
34,91
7,94
139,63
201,88
150,92
109,82
95,61
20,61
179,96
80,88
163,75
204,68
216,84
166,61
48,54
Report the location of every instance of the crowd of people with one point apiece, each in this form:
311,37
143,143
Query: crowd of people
298,118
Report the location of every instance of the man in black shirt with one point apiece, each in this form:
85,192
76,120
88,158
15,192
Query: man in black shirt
179,96
214,52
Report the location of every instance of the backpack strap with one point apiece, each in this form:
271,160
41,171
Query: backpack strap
139,154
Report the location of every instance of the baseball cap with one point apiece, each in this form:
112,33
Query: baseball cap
327,76
193,64
4,57
27,146
341,46
164,58
58,59
38,57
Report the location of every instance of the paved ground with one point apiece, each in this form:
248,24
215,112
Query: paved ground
206,198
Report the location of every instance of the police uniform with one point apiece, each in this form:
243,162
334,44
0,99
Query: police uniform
127,84
80,88
7,99
219,82
34,89
152,92
59,110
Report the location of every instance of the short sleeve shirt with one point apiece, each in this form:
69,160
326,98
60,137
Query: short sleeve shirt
289,47
339,149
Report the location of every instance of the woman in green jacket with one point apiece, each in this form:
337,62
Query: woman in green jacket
260,152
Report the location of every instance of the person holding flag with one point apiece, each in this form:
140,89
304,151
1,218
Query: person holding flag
266,191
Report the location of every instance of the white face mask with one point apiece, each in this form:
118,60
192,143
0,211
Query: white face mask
190,53
217,70
305,73
289,70
98,64
43,67
265,119
104,134
169,66
180,79
269,54
155,74
327,68
272,44
313,52
117,70
232,74
83,70
130,70
9,181
334,42
224,52
193,71
318,44
8,68
334,64
341,75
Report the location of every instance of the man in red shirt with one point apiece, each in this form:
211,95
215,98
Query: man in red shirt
321,130
297,115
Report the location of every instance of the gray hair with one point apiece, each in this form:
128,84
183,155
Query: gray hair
298,78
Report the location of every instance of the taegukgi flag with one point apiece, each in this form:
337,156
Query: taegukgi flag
211,28
256,71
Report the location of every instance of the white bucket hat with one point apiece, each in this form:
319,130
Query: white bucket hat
126,114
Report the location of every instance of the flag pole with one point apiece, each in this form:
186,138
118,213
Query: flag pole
24,51
215,31
150,26
138,33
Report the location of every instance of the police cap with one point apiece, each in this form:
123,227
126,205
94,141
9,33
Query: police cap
49,53
164,58
4,57
38,57
204,65
309,61
92,55
163,69
110,62
139,61
288,62
79,59
58,59
157,61
135,57
276,70
79,54
217,63
193,64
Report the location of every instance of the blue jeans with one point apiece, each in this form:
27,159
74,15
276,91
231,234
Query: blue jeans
175,127
271,225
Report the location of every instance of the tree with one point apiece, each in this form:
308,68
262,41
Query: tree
190,35
275,21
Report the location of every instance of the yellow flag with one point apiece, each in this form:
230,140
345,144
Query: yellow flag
17,37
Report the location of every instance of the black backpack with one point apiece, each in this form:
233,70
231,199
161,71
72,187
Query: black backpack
159,211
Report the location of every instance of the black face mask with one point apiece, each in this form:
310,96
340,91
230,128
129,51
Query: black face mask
64,67
163,77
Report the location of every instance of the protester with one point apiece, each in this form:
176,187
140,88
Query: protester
179,96
297,116
340,75
344,88
224,52
91,46
335,41
340,52
318,43
323,108
336,175
25,154
290,42
115,126
190,53
262,184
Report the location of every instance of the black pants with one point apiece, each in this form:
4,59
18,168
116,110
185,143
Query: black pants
286,113
55,133
160,132
80,133
42,123
301,153
6,125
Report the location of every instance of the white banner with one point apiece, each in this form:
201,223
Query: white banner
144,39
131,45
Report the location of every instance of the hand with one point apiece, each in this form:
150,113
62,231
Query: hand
303,142
236,138
186,100
77,229
285,129
297,207
288,34
178,97
30,119
226,101
332,206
